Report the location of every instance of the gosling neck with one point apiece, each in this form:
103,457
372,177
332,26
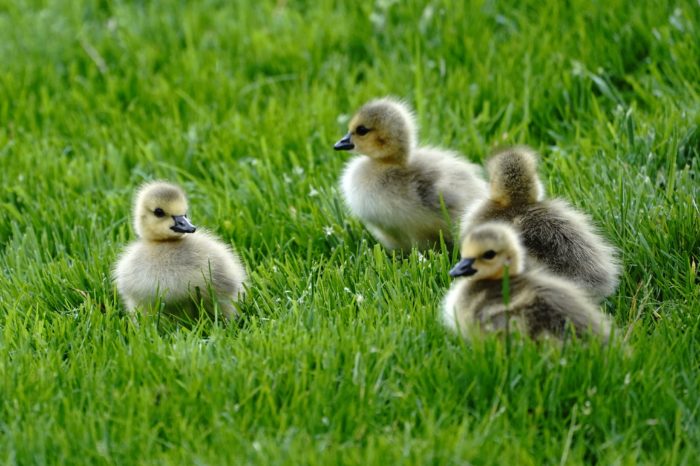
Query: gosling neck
396,157
169,240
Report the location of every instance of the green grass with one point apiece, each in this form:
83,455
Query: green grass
340,358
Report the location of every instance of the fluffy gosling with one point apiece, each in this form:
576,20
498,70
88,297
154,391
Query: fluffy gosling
541,304
173,262
396,188
554,233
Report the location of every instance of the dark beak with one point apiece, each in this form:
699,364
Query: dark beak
182,225
463,268
345,143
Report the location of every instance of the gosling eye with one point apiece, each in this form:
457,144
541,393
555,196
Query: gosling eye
490,254
159,212
361,130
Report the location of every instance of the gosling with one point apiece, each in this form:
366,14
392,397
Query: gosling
398,190
554,233
541,304
173,263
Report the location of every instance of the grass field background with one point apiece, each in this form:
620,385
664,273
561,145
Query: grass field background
340,358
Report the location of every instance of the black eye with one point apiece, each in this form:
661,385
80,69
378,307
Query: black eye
490,254
361,130
159,212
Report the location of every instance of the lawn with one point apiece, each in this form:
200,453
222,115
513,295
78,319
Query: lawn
340,358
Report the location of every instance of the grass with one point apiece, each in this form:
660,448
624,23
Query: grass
340,358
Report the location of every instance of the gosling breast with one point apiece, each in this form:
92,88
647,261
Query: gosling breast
180,274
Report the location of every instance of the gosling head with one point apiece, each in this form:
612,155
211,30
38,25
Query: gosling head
486,251
383,129
514,178
160,212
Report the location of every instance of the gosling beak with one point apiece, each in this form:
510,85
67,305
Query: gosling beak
345,143
182,225
463,268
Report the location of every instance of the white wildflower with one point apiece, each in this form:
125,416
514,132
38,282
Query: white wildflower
577,68
587,408
377,19
426,18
